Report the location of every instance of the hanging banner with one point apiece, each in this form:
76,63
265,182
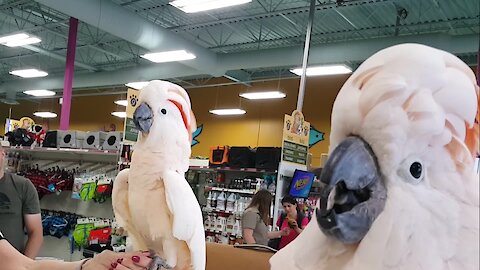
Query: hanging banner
296,132
130,134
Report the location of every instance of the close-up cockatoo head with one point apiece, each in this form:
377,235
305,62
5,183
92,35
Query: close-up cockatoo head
165,120
401,191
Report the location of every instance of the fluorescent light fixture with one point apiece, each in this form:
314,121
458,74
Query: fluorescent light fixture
263,95
228,111
29,73
192,6
22,42
39,93
20,39
122,102
14,37
120,114
45,114
323,70
169,56
137,85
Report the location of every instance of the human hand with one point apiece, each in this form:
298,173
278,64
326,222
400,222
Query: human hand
285,232
292,223
108,260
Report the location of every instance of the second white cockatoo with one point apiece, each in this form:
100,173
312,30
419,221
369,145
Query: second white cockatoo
401,192
152,200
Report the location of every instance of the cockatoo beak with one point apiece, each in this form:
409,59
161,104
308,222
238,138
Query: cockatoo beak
143,118
355,193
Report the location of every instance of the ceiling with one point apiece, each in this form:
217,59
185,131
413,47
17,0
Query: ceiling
255,41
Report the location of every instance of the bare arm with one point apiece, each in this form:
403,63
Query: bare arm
12,259
33,224
248,236
276,234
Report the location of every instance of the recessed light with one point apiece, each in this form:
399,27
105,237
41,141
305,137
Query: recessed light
136,85
39,93
122,102
29,73
192,6
263,95
120,114
323,70
169,56
45,114
228,111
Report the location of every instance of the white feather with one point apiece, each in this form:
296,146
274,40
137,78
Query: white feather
409,102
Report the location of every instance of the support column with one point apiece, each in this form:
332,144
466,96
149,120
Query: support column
301,90
68,79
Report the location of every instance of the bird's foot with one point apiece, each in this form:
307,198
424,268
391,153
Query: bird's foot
158,263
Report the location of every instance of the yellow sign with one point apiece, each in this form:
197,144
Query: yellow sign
130,135
296,132
296,129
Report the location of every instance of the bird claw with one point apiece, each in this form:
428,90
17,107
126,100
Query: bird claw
158,263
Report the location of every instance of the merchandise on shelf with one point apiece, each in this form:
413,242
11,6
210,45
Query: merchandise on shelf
92,187
58,223
53,180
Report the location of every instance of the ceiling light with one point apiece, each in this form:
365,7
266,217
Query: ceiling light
120,114
192,6
14,37
169,56
136,85
228,111
122,102
29,73
263,95
45,114
323,70
22,42
39,93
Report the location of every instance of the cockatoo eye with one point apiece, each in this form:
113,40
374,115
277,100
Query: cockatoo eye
416,169
163,111
412,171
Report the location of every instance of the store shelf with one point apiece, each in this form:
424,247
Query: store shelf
220,211
229,190
252,170
219,232
91,155
229,169
239,191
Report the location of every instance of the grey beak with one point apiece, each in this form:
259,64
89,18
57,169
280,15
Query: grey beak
355,193
143,118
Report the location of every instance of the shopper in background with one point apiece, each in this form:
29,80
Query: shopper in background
292,221
255,220
10,259
19,211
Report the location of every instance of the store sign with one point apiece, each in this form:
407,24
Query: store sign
296,132
130,134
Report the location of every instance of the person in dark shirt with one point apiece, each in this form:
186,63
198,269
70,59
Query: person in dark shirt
19,212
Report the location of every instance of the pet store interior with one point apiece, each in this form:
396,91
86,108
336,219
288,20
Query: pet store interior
262,77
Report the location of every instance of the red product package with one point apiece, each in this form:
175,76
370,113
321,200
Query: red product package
100,236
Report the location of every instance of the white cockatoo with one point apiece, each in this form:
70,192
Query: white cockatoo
152,200
401,192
